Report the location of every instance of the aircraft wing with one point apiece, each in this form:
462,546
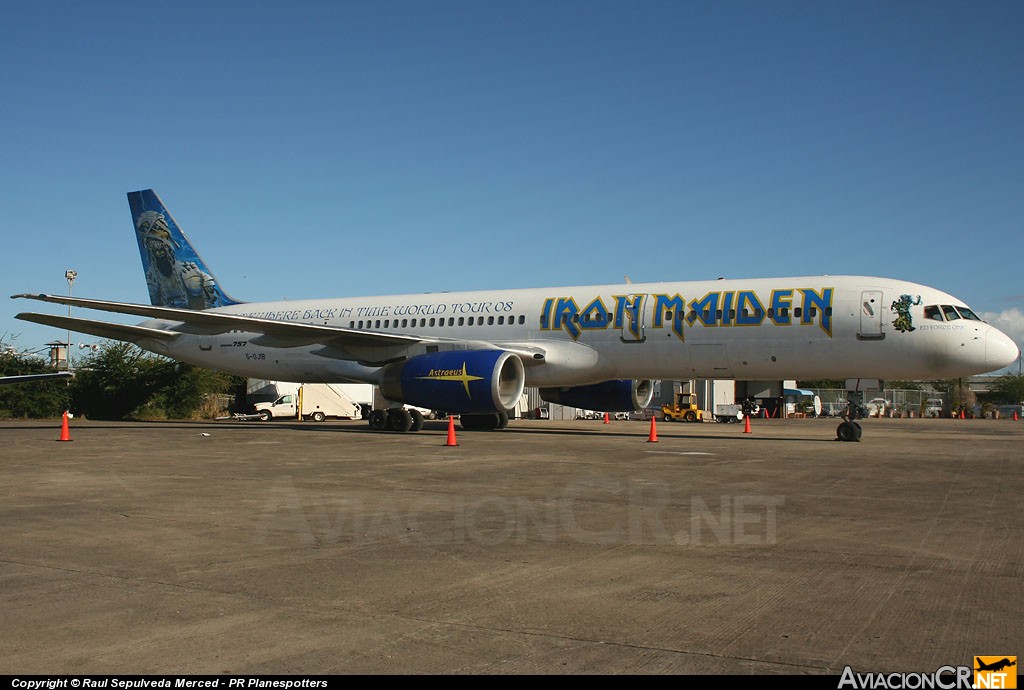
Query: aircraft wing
25,378
275,333
371,348
344,343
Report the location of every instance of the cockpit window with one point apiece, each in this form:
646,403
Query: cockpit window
950,313
968,314
933,312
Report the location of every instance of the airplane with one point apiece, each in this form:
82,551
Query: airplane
25,378
994,666
597,347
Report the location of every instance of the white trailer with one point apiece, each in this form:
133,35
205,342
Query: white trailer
314,401
728,412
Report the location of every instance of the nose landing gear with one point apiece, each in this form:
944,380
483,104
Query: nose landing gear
849,429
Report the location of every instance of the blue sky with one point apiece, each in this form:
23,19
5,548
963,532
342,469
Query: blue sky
316,149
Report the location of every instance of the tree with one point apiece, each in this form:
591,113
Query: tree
38,399
904,385
123,381
1009,389
823,383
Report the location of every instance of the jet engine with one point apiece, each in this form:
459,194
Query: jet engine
457,381
607,396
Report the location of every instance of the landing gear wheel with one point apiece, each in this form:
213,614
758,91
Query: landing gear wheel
378,420
848,431
318,416
691,416
399,420
479,422
417,420
860,432
502,420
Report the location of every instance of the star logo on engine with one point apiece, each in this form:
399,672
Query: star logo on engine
453,375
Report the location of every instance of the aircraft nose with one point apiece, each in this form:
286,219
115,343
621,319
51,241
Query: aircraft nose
1000,350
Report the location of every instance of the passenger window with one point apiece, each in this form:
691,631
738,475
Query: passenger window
490,320
950,313
432,321
522,320
771,312
813,312
797,311
932,312
470,320
501,321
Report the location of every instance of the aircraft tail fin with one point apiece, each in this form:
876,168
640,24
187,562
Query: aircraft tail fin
175,274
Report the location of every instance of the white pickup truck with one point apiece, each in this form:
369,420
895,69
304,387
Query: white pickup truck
318,400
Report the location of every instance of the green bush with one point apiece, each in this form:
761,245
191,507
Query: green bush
118,381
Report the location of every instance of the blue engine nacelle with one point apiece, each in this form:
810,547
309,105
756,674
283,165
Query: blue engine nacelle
607,396
457,381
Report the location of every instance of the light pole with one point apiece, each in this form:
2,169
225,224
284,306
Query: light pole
70,275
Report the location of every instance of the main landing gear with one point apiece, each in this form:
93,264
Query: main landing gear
483,422
400,420
396,419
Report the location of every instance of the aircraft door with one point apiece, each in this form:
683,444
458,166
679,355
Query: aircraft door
633,319
871,315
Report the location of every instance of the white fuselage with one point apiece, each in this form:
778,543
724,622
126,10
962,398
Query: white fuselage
758,329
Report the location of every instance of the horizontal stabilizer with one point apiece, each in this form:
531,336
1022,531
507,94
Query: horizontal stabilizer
100,329
25,378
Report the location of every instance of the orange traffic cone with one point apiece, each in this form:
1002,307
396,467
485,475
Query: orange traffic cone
606,420
746,426
64,434
451,432
653,437
1015,417
962,415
